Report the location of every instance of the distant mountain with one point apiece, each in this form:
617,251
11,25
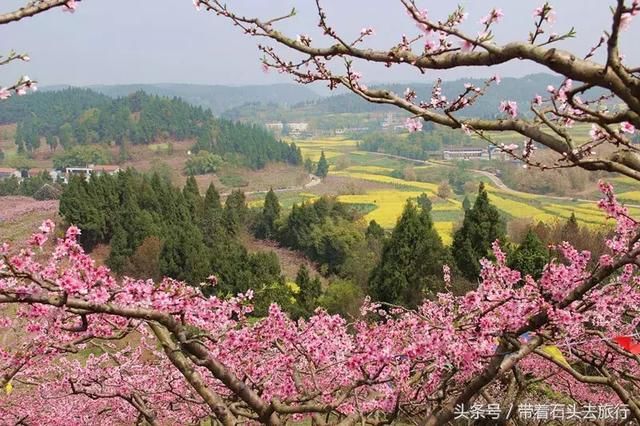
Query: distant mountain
217,98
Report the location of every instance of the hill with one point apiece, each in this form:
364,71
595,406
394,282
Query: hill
337,111
215,97
81,120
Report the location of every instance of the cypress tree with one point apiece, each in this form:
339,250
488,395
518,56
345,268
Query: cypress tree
530,257
235,211
424,202
374,231
482,225
466,203
310,291
193,198
266,226
323,166
411,262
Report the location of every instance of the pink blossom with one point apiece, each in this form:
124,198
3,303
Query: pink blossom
70,6
493,17
21,90
537,100
4,93
197,4
466,45
509,107
626,127
497,79
413,124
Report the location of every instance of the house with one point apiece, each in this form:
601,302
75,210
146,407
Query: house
91,169
6,172
277,126
465,154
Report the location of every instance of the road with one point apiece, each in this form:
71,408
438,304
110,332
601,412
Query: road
313,181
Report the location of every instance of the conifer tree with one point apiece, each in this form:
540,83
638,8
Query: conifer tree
530,256
374,231
266,225
424,202
235,211
193,198
411,263
323,166
482,225
466,203
310,291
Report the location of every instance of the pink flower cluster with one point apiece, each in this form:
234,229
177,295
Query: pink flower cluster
509,108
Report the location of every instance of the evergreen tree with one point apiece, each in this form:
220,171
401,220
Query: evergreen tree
192,196
411,262
466,203
529,257
308,165
424,202
235,211
266,226
570,229
482,225
310,291
374,231
323,166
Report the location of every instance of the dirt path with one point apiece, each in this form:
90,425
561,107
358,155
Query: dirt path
313,181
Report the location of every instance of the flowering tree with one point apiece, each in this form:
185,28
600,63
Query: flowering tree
605,95
85,346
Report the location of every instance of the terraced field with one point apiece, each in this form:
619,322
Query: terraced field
385,200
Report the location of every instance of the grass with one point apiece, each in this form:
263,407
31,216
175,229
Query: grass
234,181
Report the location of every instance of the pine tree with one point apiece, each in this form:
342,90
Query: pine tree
235,211
424,202
323,166
570,229
374,231
466,203
193,198
530,256
411,262
266,226
482,225
310,291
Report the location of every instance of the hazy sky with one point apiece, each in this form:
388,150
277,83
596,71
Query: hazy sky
152,41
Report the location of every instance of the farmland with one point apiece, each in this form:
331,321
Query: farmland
382,196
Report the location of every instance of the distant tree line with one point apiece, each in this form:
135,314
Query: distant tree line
81,117
40,187
418,145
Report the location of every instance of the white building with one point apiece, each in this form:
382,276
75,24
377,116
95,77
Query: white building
91,169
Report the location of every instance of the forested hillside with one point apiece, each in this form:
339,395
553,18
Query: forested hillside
215,97
75,117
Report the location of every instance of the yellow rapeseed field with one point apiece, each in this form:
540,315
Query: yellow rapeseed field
369,169
389,204
429,188
631,196
514,208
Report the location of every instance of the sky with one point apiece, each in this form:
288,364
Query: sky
168,41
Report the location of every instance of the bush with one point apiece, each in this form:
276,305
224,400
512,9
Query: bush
202,163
